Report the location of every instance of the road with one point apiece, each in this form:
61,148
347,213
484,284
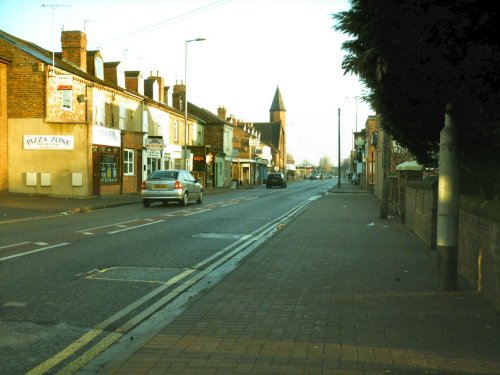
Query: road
71,287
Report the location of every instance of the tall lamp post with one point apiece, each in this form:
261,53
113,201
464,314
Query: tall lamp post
338,184
354,163
184,151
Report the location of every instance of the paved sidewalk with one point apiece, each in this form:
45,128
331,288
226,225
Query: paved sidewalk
337,291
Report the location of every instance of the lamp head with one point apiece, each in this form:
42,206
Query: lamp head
195,40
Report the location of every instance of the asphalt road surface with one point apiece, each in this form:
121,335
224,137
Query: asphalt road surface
71,286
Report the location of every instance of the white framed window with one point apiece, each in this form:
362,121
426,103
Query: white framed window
195,133
99,67
67,102
176,131
128,162
99,109
121,117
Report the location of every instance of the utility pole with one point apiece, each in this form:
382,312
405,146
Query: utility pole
448,204
53,7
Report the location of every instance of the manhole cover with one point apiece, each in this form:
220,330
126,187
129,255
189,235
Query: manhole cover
219,236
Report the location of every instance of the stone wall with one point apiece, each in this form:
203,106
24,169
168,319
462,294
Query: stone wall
479,234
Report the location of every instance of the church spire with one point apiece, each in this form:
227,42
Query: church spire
278,111
277,102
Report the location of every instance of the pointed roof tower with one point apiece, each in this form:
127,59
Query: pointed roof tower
277,110
278,102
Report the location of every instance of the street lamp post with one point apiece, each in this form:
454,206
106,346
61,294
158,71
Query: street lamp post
338,184
355,164
184,151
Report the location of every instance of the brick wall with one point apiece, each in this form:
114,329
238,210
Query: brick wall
132,141
479,245
421,210
214,136
25,84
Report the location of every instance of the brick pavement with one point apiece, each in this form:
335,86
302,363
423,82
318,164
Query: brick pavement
337,291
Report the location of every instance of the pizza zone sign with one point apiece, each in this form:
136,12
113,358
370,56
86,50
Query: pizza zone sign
48,142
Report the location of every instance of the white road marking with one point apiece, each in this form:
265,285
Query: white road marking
33,251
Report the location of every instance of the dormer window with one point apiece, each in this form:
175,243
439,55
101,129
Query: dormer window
99,67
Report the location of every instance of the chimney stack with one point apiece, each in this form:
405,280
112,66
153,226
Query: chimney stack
161,86
74,48
221,112
178,96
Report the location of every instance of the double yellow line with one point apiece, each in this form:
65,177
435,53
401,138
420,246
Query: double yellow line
111,337
250,241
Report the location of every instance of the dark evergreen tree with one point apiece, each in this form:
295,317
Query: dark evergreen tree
414,57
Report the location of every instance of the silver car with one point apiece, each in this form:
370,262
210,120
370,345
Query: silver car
171,185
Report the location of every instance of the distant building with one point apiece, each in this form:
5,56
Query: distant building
274,132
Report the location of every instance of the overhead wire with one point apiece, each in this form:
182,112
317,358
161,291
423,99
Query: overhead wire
168,22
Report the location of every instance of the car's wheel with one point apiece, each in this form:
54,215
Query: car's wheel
184,200
200,197
146,203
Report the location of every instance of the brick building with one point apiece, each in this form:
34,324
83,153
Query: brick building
73,125
273,132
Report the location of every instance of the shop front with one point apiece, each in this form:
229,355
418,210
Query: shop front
154,148
202,165
106,161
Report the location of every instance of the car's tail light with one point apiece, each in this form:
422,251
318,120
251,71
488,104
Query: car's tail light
143,186
178,185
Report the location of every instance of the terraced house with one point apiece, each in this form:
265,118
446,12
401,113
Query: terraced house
73,125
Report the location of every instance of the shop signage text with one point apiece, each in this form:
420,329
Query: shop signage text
106,136
48,142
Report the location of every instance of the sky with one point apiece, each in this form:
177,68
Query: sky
251,47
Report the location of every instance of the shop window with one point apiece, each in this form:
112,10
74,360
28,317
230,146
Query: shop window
109,168
128,162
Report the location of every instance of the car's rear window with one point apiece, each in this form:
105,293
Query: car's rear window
274,177
163,175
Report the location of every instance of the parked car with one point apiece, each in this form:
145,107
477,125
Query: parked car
173,185
275,179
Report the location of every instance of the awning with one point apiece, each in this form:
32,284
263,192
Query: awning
409,166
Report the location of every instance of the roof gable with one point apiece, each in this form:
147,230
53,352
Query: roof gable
205,115
269,132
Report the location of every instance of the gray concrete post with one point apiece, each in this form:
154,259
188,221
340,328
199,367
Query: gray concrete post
448,205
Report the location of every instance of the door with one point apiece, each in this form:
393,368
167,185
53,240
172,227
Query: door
96,174
139,169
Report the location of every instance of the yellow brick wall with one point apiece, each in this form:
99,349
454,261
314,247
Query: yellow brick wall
4,182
